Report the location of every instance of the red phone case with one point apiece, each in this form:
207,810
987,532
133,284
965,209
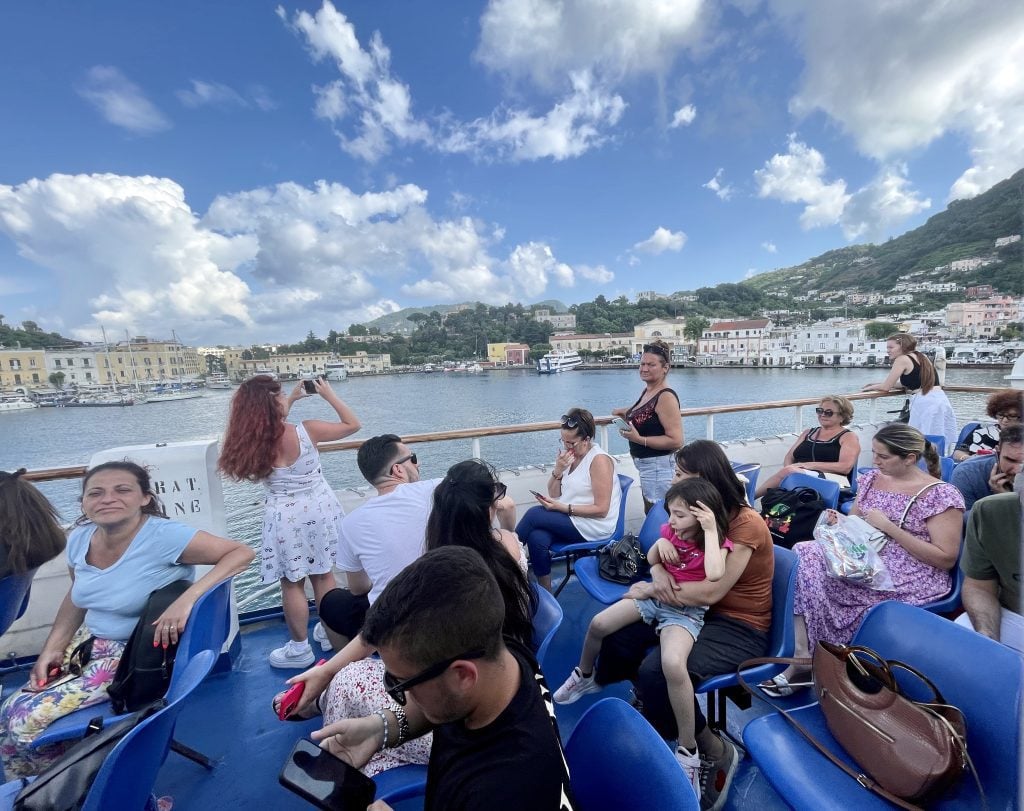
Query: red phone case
290,700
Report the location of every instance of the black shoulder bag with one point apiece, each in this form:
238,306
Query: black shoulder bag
622,561
791,514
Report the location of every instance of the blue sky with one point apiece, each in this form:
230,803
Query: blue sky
241,171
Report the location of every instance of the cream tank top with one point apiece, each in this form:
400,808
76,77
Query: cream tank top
578,489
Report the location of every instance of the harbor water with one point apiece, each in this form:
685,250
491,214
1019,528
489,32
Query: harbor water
422,403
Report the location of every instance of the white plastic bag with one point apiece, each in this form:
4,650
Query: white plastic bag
851,548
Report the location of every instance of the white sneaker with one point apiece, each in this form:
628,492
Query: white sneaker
321,638
691,766
293,654
575,687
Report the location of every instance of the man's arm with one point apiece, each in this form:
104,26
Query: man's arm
358,583
981,602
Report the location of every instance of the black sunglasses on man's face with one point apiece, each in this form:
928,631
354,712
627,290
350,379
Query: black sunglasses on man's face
396,689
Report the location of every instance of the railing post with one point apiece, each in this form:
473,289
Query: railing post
799,420
603,434
874,408
475,449
711,426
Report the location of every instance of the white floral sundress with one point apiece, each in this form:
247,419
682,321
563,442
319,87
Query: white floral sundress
301,518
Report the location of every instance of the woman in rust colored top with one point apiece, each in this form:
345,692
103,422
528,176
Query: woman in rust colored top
736,625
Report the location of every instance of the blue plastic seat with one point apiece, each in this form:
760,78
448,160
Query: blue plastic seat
828,490
15,590
938,441
617,761
126,778
605,591
965,434
981,677
750,471
546,620
781,640
570,552
207,629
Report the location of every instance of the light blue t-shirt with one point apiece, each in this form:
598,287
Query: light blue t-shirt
970,477
114,598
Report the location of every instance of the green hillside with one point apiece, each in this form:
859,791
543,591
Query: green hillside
967,228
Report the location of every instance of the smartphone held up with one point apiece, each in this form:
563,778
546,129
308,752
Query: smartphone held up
310,386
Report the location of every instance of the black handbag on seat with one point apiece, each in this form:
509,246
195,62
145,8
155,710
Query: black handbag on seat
622,561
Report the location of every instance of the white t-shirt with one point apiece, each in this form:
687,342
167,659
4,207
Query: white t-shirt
577,488
114,598
385,534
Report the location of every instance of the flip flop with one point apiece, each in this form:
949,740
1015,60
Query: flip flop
781,687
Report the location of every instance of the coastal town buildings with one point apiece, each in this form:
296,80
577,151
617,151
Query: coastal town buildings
613,343
508,354
736,342
560,321
20,367
982,318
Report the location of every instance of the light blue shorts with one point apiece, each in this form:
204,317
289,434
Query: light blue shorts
655,475
656,613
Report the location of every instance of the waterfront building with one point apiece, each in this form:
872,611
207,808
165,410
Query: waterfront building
621,343
670,330
984,318
142,360
77,366
737,342
508,354
22,367
286,365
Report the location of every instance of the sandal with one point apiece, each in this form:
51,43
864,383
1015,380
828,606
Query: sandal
781,687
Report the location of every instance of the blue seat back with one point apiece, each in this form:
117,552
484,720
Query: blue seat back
750,471
651,529
625,482
208,625
828,490
126,778
15,590
617,761
781,639
966,432
546,619
983,678
938,441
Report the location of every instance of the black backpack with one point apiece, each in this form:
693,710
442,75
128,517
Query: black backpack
64,784
144,672
791,514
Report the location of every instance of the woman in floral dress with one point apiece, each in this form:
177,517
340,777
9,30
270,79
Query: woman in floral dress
123,548
921,550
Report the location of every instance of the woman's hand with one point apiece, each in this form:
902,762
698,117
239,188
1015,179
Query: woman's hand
354,740
297,393
879,520
563,460
549,503
44,669
641,590
317,679
705,517
169,625
631,434
666,552
663,585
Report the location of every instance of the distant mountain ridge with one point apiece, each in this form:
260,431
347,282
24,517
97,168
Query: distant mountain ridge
967,228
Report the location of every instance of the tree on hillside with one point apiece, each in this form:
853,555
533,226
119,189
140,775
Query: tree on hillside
357,329
695,326
877,330
30,326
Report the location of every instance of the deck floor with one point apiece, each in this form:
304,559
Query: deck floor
230,719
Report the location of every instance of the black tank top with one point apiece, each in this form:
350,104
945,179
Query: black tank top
911,380
645,420
818,450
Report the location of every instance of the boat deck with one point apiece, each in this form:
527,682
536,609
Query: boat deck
229,719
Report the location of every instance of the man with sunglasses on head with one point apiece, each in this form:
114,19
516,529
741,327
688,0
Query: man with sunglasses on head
437,627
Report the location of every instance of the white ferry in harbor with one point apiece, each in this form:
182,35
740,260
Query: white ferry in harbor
218,380
335,371
19,403
558,360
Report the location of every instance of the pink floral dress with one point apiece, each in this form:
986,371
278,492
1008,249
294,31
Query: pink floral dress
833,608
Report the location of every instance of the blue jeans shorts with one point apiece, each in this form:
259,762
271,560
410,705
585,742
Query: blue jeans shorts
655,475
656,613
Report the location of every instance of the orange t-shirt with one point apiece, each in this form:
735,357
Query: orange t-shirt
750,598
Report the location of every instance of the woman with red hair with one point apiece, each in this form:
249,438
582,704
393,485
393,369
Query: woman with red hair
302,514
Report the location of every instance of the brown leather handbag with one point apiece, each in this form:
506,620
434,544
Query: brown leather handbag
910,751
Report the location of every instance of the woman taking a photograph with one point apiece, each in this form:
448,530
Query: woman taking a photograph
582,502
302,514
656,427
122,550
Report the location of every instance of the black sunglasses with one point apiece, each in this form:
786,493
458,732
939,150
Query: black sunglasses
824,412
500,489
1008,416
570,422
410,458
396,689
654,349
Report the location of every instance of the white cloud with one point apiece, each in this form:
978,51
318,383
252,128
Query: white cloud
902,75
887,200
598,275
330,101
770,247
797,177
544,40
121,101
723,190
683,117
662,240
870,212
217,94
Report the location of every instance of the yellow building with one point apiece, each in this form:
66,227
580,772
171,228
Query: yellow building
141,360
22,367
284,366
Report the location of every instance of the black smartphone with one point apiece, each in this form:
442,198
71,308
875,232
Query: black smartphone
537,495
326,780
309,386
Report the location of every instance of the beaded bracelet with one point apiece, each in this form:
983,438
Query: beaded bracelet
383,717
403,724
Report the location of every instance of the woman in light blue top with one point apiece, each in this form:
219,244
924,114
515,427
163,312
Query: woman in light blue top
122,549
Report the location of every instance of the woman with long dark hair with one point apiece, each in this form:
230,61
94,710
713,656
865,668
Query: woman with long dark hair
302,514
122,549
30,534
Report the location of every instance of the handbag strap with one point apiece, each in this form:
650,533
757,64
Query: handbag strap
913,498
860,777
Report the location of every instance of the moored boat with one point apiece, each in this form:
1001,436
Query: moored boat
335,371
558,360
218,380
17,403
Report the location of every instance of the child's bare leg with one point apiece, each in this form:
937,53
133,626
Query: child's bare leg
612,619
676,644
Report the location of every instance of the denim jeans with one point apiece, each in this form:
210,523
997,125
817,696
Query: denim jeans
655,475
538,529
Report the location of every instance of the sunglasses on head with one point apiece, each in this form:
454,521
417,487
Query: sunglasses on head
824,412
654,349
396,689
572,423
410,458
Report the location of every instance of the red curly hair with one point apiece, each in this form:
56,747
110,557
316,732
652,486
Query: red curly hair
254,429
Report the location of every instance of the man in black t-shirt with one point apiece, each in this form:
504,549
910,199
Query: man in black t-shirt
437,627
